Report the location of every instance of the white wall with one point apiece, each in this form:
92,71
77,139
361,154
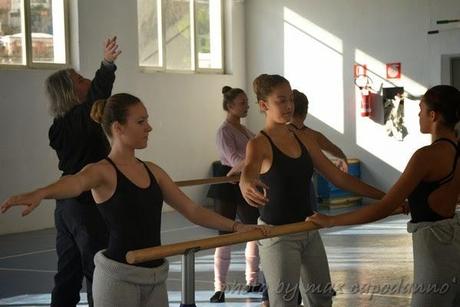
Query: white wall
185,109
315,43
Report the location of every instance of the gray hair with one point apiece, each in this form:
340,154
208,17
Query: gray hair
60,90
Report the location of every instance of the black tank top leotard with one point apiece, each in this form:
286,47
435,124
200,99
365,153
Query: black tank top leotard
288,180
418,199
133,217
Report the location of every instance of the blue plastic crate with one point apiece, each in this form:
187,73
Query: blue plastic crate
325,189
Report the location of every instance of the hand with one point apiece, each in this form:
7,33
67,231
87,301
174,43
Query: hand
111,51
405,207
320,220
342,165
251,191
265,229
30,200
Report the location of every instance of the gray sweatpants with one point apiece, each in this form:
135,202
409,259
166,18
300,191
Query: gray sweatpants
117,284
436,248
286,260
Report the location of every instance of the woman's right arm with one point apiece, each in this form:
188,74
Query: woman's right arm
250,183
90,177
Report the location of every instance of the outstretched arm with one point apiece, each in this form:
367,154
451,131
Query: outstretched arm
193,212
66,187
415,171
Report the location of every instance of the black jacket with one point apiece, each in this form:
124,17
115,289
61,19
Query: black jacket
76,138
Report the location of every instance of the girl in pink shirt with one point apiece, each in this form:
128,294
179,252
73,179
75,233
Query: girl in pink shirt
232,138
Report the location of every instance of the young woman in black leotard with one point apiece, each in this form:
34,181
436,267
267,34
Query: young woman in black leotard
129,193
431,183
281,163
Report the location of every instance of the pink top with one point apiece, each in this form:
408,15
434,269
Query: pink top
231,143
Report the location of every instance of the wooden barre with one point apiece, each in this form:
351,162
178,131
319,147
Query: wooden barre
151,253
212,180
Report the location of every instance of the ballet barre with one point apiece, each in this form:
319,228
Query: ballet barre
189,248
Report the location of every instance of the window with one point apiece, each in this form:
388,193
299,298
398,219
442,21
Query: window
33,33
180,35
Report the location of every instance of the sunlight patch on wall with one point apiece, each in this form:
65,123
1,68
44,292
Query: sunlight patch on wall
313,63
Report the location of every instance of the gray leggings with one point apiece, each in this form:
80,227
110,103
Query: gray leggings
436,248
117,284
290,258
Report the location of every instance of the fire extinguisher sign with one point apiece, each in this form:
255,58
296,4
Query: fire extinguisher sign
360,70
393,70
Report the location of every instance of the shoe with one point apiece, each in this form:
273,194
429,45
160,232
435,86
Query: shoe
218,297
254,288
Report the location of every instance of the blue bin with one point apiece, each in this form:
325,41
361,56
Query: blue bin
326,190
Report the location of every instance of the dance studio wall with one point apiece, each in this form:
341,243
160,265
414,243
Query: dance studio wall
185,109
315,44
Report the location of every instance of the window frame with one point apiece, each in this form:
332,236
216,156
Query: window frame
193,43
29,64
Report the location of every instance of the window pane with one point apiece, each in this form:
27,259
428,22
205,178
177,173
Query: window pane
177,34
149,31
208,22
47,23
11,32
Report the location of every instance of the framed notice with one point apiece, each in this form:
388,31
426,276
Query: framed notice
393,70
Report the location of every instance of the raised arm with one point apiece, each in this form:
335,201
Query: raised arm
415,171
68,186
250,183
193,212
102,83
337,177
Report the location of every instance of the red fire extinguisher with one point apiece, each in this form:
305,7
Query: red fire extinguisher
365,102
364,83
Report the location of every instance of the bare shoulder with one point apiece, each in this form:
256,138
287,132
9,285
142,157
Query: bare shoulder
311,133
156,170
102,166
259,143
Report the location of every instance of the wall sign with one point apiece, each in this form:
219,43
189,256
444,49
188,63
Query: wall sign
393,70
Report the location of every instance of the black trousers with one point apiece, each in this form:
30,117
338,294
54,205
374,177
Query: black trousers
81,232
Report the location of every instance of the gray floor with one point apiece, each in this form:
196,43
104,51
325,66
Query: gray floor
371,265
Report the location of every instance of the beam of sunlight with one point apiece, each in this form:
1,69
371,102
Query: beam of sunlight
371,134
313,63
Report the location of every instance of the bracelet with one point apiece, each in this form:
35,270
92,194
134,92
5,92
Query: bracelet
235,226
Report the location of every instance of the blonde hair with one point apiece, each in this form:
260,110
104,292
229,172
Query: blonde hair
60,89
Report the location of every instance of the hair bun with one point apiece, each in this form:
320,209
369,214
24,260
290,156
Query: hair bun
97,110
225,89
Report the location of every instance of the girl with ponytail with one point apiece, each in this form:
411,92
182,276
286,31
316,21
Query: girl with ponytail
129,194
232,138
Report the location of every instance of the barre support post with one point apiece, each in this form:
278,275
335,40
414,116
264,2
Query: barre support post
188,278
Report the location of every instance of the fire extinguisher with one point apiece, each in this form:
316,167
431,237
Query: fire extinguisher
364,83
365,102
